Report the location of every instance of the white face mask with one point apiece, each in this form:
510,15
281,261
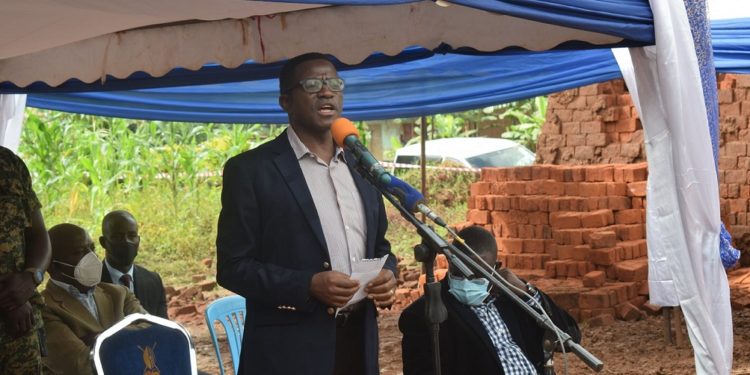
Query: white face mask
88,271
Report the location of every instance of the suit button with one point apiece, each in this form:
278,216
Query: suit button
330,311
326,265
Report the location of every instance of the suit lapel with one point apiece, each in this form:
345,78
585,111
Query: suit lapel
370,211
137,281
73,306
105,307
288,166
106,277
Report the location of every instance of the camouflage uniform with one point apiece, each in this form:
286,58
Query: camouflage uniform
17,203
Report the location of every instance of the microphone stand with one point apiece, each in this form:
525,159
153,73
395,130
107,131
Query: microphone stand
434,309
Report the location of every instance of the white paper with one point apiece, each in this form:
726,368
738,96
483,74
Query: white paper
364,271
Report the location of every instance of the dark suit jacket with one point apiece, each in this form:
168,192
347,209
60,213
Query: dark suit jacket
269,245
465,346
67,322
148,288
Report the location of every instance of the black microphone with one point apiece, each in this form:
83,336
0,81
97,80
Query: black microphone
345,134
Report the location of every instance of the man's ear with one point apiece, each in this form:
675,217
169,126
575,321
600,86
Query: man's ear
102,242
285,102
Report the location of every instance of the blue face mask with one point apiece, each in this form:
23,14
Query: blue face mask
469,292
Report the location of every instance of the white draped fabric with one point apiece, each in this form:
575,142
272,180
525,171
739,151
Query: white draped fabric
683,219
11,120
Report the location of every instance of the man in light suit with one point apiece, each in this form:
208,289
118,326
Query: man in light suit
294,216
78,308
120,241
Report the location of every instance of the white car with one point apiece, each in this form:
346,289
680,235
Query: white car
469,152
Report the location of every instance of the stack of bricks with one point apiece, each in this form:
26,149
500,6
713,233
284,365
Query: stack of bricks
595,124
582,223
734,158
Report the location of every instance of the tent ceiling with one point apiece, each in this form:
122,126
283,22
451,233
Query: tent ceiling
351,33
33,26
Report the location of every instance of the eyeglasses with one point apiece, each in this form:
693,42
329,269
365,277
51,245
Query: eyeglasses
314,85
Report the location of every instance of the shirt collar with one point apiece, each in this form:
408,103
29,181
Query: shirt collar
72,290
116,274
300,150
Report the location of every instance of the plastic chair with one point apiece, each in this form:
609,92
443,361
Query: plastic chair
230,312
158,346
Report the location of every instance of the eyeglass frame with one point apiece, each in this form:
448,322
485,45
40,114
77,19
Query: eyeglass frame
323,81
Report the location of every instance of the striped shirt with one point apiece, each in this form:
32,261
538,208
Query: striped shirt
511,356
338,203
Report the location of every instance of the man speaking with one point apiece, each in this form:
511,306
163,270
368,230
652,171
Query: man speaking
294,219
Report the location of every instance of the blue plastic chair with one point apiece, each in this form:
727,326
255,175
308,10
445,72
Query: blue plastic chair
230,312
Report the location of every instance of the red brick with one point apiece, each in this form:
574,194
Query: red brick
581,252
595,299
638,202
619,203
568,236
592,127
571,189
631,249
478,216
592,189
540,172
637,189
594,279
604,257
727,162
550,270
500,203
554,188
573,140
480,188
557,173
735,176
481,203
533,246
597,219
578,174
633,216
602,239
627,125
628,312
515,188
564,252
565,220
630,232
521,173
632,270
512,245
635,172
650,308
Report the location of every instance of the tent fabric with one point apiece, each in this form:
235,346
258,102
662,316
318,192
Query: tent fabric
33,26
630,19
351,33
381,87
682,225
439,84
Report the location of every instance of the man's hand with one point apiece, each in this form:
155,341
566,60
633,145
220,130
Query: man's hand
512,279
333,288
16,289
19,321
382,289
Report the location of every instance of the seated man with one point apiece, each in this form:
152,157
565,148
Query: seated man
486,332
120,241
78,308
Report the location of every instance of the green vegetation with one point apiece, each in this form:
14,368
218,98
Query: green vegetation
167,175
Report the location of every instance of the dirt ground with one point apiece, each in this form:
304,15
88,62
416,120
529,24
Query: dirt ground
624,347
